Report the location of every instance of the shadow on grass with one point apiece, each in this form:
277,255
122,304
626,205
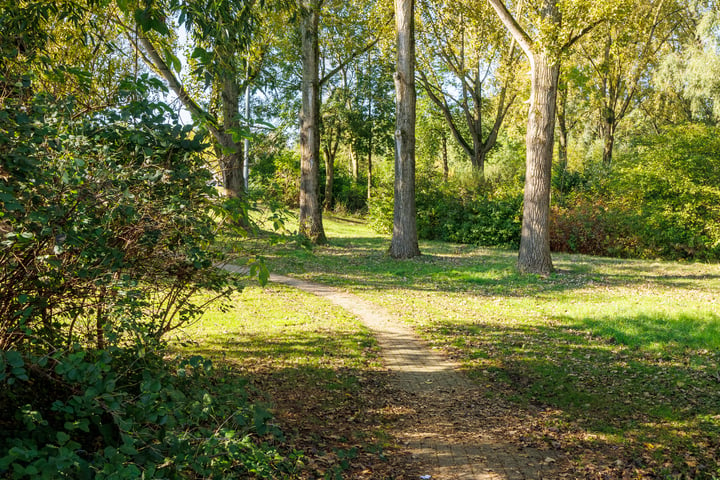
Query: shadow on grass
646,392
656,332
293,347
364,263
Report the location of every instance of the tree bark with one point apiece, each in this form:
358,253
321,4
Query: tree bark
231,158
534,255
404,242
563,132
446,169
329,200
354,164
608,131
369,175
311,224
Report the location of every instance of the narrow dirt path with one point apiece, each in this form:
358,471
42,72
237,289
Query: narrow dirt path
451,430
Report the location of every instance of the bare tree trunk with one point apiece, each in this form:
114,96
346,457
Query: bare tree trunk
608,131
329,177
562,132
534,255
354,164
310,212
404,242
229,153
369,170
231,159
446,169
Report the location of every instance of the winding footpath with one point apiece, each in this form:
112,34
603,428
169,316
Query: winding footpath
444,435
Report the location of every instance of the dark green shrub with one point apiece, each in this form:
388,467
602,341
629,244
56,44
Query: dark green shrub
350,195
106,223
277,176
128,413
485,215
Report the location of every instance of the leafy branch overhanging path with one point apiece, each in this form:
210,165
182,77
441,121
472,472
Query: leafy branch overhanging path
454,432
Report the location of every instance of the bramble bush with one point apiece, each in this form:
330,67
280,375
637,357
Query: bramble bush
124,413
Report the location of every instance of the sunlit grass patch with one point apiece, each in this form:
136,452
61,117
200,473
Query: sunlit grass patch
277,326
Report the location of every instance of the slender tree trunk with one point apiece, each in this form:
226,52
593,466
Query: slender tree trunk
534,255
404,242
354,164
369,170
329,178
608,130
446,169
246,142
231,156
562,133
310,212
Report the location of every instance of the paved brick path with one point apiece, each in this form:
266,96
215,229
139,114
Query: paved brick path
443,434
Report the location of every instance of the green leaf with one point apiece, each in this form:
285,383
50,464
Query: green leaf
62,438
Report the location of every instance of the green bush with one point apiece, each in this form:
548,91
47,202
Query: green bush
661,200
108,225
480,214
106,222
277,176
350,196
128,413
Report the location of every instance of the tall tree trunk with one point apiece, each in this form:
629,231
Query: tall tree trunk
354,164
608,131
246,141
231,156
534,255
404,242
562,132
229,153
311,224
369,170
329,178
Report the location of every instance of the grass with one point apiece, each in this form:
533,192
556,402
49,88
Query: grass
621,357
312,363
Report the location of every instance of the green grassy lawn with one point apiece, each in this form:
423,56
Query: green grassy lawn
309,361
621,357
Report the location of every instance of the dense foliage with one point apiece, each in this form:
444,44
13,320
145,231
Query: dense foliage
127,413
108,225
478,213
661,200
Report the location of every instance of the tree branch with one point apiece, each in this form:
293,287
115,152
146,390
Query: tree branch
153,59
516,31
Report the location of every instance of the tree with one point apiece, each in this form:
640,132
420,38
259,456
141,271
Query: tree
621,55
691,73
310,209
222,34
404,242
466,62
552,37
